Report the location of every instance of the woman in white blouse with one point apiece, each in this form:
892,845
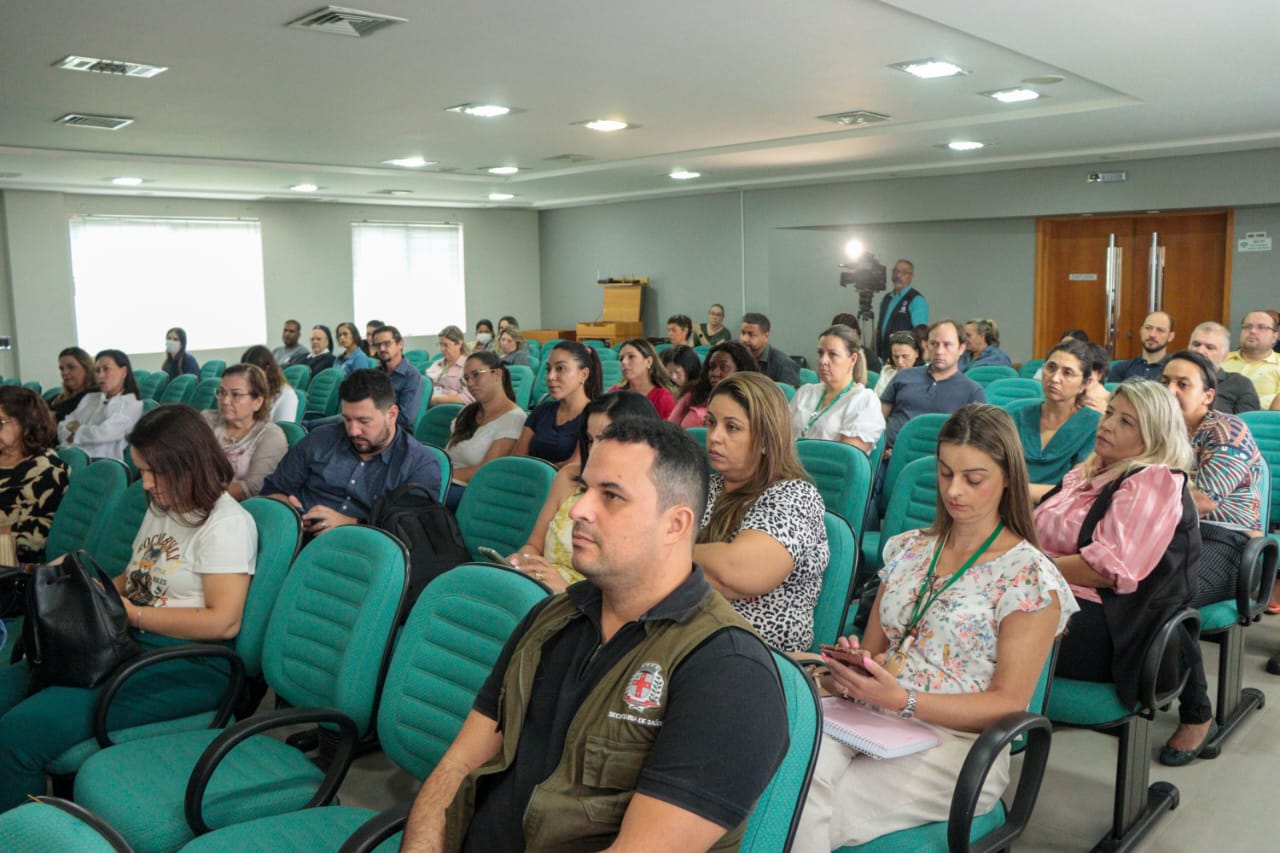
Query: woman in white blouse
98,425
839,407
489,427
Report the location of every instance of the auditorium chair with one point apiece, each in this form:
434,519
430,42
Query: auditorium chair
502,503
433,427
985,374
837,581
51,823
842,475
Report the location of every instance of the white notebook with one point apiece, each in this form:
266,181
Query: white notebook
876,733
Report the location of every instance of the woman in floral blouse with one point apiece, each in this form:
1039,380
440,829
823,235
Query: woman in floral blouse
963,623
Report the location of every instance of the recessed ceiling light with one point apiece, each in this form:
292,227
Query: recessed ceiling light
304,188
109,66
501,196
126,181
964,145
483,110
409,162
605,125
1013,96
928,69
855,118
683,175
502,170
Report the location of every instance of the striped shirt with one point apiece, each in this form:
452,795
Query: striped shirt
1229,471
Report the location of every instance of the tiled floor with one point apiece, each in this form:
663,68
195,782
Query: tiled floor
1225,803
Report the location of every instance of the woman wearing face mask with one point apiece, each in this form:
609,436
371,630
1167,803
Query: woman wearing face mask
904,352
484,337
321,357
98,425
724,360
1058,433
177,360
76,369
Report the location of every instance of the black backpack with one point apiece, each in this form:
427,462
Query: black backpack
427,529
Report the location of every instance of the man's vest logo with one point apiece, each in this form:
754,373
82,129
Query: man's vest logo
644,690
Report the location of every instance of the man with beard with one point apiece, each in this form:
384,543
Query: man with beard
938,386
388,348
636,710
334,475
1157,334
1257,358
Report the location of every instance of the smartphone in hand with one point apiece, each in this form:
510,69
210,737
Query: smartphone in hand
846,655
495,557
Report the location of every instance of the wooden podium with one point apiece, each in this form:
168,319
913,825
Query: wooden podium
623,299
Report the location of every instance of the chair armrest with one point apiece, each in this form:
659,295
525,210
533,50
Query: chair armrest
1150,696
109,833
230,738
973,775
126,670
1256,578
377,829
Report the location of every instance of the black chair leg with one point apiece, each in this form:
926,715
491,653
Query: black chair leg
1235,702
1138,805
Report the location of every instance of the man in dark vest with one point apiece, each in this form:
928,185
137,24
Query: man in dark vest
637,709
901,309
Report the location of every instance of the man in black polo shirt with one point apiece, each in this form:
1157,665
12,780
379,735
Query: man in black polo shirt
774,363
634,709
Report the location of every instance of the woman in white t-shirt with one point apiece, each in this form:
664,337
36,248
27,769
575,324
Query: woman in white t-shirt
489,427
187,580
839,407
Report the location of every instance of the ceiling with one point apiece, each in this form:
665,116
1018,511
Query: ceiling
729,88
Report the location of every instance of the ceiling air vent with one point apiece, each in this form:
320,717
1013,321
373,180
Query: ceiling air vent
117,67
341,21
855,118
96,122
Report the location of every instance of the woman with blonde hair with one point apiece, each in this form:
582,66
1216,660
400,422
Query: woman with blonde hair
1123,530
644,373
75,367
446,372
763,543
839,407
242,424
512,348
962,625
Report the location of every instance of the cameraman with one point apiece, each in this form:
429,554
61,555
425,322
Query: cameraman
901,309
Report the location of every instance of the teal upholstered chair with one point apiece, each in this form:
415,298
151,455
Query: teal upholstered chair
808,376
52,823
147,406
1224,622
772,824
1137,804
206,394
608,353
918,437
93,490
212,369
539,386
326,650
1029,368
322,393
912,506
872,379
1265,426
433,427
837,581
110,539
985,374
53,392
33,386
446,469
419,358
522,383
279,534
502,502
293,433
75,459
299,376
534,347
965,830
302,406
179,390
842,474
611,372
1004,391
788,390
151,385
429,690
702,350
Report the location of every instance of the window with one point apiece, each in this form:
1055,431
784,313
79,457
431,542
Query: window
408,275
136,277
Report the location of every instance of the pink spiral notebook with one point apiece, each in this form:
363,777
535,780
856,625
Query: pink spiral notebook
878,734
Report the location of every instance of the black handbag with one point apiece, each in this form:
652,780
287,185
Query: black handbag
76,631
13,593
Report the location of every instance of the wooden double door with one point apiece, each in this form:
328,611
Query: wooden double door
1071,280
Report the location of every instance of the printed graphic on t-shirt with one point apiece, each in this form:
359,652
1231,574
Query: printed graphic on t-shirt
148,582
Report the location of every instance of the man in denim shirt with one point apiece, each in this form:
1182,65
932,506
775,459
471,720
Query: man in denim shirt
388,348
334,475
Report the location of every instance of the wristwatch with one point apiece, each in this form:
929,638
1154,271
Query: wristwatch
910,710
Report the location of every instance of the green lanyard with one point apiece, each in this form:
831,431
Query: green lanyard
922,604
820,412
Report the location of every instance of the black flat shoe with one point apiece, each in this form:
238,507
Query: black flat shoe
1171,757
1273,664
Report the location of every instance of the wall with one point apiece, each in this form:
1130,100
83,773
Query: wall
972,237
306,266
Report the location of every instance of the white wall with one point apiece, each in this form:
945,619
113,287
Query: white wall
972,238
306,265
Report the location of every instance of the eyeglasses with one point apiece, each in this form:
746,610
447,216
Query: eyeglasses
1257,327
474,376
235,395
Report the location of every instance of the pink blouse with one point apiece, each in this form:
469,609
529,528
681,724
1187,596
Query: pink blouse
1129,538
449,381
686,415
